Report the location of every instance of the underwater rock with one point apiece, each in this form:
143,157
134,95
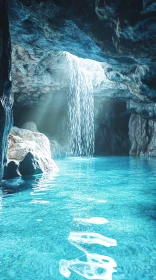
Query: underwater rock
22,141
142,135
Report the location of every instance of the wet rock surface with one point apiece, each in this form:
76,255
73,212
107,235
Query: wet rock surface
30,151
142,135
30,165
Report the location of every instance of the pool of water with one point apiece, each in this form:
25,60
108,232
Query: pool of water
94,219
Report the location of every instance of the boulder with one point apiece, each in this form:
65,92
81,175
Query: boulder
11,170
30,165
30,126
31,151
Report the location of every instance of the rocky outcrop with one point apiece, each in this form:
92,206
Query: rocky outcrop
31,151
5,84
142,135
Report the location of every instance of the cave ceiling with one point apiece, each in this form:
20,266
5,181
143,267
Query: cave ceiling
121,35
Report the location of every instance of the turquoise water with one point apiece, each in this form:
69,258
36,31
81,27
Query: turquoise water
94,219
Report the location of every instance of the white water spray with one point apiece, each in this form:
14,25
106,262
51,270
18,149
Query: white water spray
82,74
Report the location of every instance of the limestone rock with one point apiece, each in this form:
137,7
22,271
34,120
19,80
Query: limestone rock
152,143
22,141
142,135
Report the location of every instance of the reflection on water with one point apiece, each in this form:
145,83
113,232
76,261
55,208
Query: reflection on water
96,266
38,183
91,238
90,265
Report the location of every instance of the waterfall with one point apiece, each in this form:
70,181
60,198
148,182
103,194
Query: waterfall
81,107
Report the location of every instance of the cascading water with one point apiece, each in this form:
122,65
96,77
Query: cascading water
81,107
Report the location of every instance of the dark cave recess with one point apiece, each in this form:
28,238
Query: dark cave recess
123,9
111,134
111,125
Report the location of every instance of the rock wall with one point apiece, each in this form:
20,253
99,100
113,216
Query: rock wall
5,84
142,135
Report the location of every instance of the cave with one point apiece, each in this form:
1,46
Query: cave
77,139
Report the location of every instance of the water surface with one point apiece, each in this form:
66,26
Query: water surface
95,219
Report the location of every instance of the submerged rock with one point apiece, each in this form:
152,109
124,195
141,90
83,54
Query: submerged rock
31,151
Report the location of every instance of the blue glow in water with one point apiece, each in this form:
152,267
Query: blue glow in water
95,219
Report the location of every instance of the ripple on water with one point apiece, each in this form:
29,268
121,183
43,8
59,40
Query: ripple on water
95,267
93,220
34,238
91,238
